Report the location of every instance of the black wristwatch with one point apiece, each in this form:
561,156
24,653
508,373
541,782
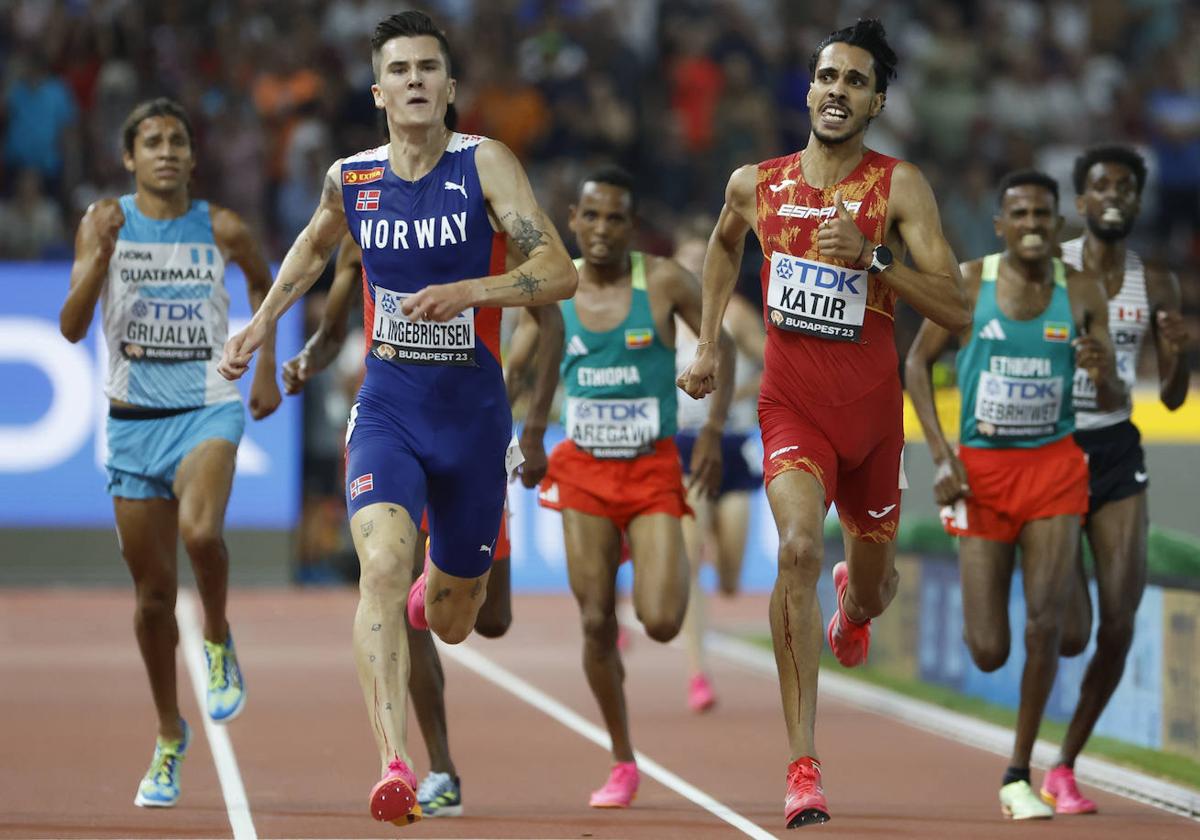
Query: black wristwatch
881,259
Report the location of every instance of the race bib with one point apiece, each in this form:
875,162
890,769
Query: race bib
167,331
1008,406
397,338
1084,394
805,296
613,428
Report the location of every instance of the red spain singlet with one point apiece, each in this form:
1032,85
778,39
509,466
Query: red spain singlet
831,402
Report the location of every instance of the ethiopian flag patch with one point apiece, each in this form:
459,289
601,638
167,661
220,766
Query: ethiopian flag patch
637,339
1056,331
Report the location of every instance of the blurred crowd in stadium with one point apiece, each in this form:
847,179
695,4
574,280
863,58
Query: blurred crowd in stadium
678,91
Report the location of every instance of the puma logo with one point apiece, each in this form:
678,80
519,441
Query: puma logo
462,188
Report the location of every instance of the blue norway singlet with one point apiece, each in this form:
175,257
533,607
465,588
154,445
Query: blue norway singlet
165,311
414,234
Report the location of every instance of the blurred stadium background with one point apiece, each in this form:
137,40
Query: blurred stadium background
678,91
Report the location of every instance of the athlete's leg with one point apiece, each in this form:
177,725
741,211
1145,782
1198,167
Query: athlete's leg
872,575
697,544
593,553
1117,533
1048,548
148,532
202,485
385,539
798,504
1077,622
732,527
495,616
660,574
986,570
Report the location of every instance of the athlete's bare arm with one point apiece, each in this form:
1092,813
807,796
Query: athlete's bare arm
238,246
323,346
546,274
950,479
1171,337
1093,347
521,348
722,261
934,286
548,321
301,267
95,242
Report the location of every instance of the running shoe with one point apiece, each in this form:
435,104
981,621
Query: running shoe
440,795
701,696
394,797
416,597
620,789
848,639
1060,792
1019,802
805,801
159,788
226,691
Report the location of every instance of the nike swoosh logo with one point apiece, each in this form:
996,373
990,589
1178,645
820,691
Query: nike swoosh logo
1140,477
879,514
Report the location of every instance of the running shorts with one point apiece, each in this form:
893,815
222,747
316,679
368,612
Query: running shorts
1116,463
741,471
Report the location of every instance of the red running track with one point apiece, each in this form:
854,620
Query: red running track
77,733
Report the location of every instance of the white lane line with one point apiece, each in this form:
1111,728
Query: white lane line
968,730
522,690
234,792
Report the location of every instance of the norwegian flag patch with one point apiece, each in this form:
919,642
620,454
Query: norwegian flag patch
362,484
367,200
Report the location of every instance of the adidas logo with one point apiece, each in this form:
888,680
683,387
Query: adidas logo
576,347
992,330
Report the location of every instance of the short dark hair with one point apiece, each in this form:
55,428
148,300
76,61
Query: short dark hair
1024,177
869,35
1112,153
161,107
410,24
614,176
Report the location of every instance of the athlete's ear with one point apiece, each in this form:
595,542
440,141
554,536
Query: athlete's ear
127,160
377,95
877,104
452,89
998,226
1081,206
572,210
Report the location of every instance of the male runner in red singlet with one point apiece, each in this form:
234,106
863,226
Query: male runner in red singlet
835,221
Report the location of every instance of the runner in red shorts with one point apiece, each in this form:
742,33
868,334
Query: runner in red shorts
835,222
1019,478
618,473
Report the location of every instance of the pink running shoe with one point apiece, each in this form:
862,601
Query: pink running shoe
1060,791
848,640
620,789
701,696
416,598
805,801
394,797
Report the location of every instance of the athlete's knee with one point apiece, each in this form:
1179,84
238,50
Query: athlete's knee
384,574
1115,634
493,622
989,650
661,625
452,632
155,602
1042,629
599,626
800,558
1074,639
200,539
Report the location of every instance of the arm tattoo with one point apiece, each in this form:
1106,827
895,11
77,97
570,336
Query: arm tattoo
526,235
528,284
331,193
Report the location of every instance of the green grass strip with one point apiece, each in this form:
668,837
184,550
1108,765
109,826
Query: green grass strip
1164,765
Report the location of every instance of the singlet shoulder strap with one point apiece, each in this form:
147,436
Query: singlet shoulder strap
1060,273
637,266
991,268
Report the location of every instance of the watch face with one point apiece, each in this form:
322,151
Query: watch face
881,258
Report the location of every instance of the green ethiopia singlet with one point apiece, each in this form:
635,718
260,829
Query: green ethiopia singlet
620,384
1015,376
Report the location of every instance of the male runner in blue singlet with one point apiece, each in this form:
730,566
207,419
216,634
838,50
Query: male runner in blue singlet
156,262
432,423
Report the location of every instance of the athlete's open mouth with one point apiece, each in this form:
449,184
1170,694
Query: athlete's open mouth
835,113
1112,216
1032,240
418,100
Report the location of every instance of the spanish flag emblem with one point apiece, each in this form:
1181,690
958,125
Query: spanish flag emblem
1056,331
637,339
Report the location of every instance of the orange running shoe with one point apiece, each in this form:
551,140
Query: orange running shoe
394,797
848,639
805,802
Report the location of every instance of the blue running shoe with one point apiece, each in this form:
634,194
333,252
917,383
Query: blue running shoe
159,788
226,692
440,795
